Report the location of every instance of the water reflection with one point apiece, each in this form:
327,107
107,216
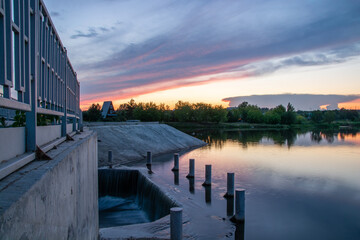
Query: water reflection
176,177
230,206
191,185
240,231
293,193
208,194
217,138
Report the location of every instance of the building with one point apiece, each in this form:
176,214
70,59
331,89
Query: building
108,110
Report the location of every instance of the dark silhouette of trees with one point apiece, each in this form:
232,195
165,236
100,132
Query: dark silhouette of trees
93,114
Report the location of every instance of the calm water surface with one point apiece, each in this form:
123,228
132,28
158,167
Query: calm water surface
298,186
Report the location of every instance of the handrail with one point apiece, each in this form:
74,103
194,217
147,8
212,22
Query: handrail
36,75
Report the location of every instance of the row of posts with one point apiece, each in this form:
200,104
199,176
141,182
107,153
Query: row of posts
176,212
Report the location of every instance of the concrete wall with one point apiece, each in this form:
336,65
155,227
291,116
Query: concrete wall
69,128
45,134
54,199
12,142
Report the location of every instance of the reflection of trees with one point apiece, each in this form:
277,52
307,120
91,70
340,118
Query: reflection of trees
330,136
217,138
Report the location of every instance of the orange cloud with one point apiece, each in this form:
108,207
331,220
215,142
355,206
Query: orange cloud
354,104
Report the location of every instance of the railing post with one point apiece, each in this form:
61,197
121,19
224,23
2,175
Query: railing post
31,117
64,118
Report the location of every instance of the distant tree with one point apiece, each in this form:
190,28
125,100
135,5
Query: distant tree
316,116
274,116
329,116
254,115
93,113
289,117
218,114
125,110
183,112
147,112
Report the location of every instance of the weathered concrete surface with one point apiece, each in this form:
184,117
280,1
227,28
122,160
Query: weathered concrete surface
55,199
130,142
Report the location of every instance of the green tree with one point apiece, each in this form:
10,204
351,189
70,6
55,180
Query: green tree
316,116
183,112
93,113
329,116
289,117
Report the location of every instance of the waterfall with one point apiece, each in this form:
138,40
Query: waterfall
134,189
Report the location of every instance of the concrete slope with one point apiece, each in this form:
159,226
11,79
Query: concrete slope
130,142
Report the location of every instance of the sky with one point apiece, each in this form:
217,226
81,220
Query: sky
209,51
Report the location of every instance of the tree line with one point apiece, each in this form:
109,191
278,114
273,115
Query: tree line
203,113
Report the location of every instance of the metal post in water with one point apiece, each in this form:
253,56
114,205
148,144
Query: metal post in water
239,206
176,162
110,158
176,223
207,176
148,160
191,168
230,185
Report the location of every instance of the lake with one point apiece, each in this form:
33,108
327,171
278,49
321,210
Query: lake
298,185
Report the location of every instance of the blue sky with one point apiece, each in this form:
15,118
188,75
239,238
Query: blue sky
166,51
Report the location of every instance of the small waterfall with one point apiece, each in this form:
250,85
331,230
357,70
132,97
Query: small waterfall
119,183
131,184
152,200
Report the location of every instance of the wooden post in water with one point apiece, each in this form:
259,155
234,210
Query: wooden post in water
207,176
176,223
110,158
230,185
239,206
176,162
191,168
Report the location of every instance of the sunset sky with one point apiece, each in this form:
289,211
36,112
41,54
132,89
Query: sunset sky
206,51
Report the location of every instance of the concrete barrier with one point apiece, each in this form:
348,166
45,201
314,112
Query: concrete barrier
12,142
46,134
54,199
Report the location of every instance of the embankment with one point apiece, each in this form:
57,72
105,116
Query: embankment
129,142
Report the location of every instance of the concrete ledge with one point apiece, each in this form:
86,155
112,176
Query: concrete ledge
55,199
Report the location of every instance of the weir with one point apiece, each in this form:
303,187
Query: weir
127,196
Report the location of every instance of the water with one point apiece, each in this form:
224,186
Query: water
298,185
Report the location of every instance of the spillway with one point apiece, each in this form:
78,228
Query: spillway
127,196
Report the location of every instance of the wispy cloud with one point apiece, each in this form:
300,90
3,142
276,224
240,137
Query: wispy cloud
165,45
299,101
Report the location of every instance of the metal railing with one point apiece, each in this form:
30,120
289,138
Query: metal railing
36,75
